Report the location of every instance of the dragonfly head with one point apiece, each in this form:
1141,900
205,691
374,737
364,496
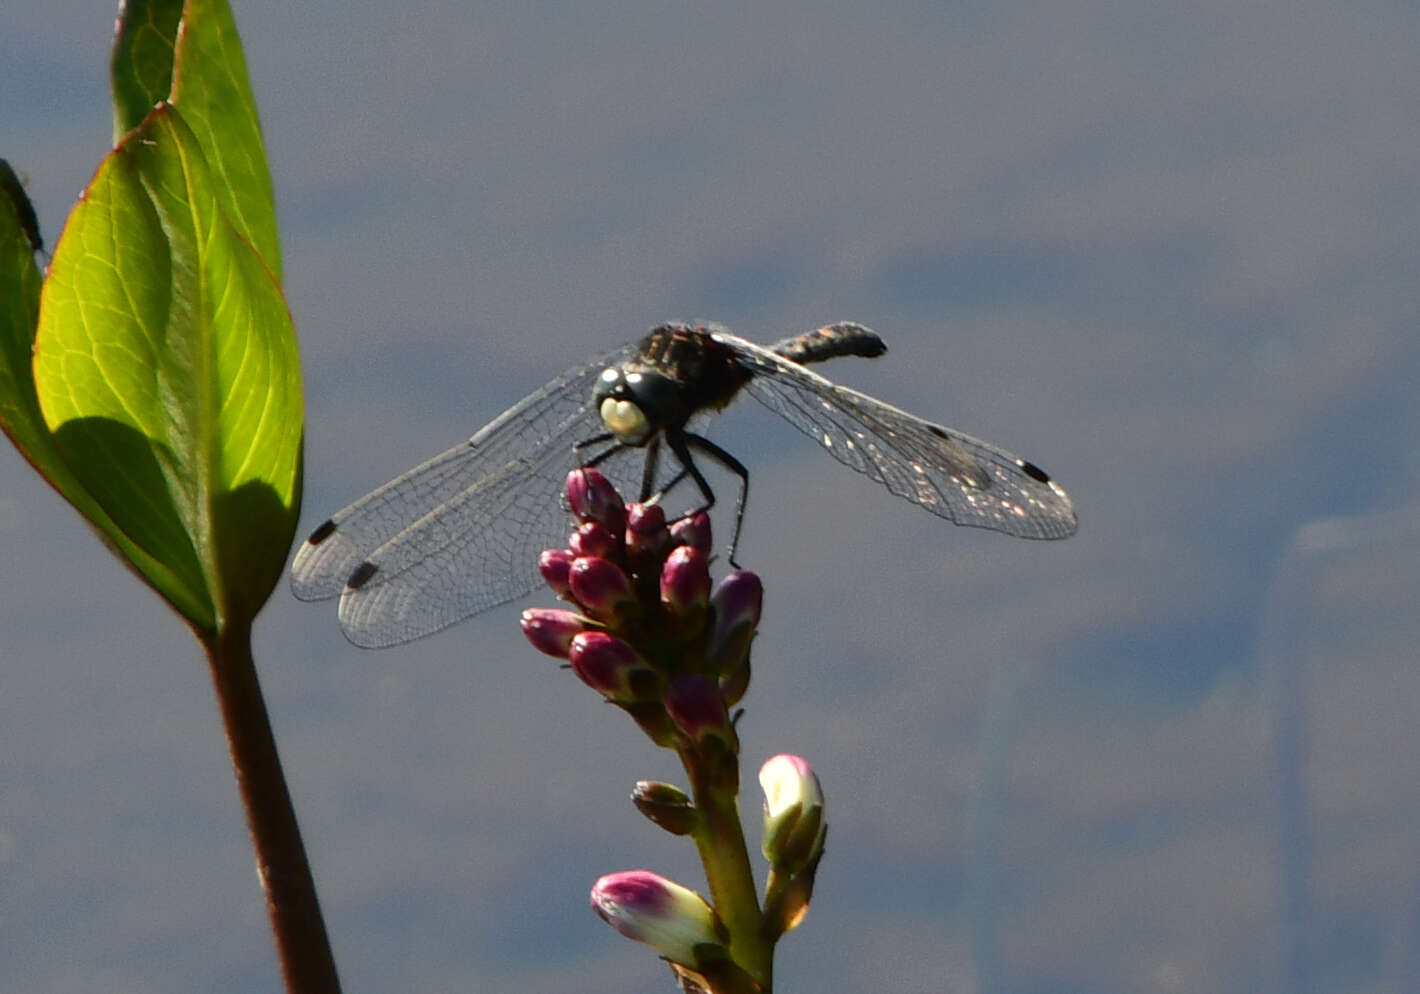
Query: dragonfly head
634,404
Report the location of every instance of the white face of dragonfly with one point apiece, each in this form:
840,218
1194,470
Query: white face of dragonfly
621,414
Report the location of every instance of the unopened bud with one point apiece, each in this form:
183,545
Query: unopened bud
592,497
551,630
694,703
737,602
685,586
555,565
601,587
666,805
610,666
671,919
794,825
694,531
646,532
592,538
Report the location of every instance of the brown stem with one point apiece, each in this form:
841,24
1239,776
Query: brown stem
301,942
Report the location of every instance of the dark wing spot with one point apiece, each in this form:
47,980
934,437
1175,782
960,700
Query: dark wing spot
321,533
1033,471
362,575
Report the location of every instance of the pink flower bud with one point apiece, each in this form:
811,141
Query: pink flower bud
694,703
685,581
551,630
592,497
600,586
646,532
592,538
671,919
608,665
555,565
693,531
738,602
794,826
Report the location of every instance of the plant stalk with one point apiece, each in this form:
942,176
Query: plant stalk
302,945
721,843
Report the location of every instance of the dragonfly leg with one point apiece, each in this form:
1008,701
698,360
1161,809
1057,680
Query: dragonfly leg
648,470
586,443
681,442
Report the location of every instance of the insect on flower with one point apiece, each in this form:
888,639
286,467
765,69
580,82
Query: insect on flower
461,533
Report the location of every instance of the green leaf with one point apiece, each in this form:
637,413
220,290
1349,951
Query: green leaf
165,365
211,88
23,211
141,67
190,55
19,312
20,414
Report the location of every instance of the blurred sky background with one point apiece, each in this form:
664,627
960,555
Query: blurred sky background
1167,251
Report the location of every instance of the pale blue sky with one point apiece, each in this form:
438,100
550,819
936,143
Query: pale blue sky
1166,251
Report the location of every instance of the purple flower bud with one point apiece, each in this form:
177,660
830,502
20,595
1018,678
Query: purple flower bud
694,703
685,581
666,805
738,602
646,532
555,565
601,587
592,497
592,538
794,826
693,531
608,665
551,630
671,919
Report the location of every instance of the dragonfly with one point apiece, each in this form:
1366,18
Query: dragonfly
461,533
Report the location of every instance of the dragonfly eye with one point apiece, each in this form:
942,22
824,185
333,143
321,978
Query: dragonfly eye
627,422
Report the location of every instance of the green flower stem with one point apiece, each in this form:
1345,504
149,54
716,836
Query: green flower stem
301,942
720,839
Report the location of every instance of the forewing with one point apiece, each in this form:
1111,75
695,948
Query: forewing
555,416
473,552
955,476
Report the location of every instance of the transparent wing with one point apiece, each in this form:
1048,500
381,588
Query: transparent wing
476,550
394,517
957,477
